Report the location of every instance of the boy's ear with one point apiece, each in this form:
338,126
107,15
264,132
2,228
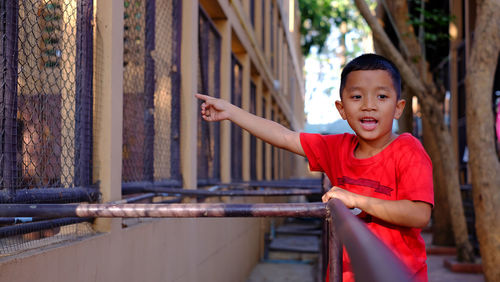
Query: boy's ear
400,106
340,108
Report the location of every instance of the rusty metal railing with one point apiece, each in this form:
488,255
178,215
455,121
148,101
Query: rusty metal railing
371,259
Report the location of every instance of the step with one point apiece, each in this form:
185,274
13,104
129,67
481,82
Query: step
281,272
299,229
303,244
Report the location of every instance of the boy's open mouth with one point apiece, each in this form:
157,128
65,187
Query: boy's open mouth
369,123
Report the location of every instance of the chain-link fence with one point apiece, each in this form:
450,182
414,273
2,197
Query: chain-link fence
208,148
151,92
46,102
236,131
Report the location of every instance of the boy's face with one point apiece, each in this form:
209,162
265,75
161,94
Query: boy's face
369,104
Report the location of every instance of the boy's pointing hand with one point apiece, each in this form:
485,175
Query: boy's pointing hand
213,109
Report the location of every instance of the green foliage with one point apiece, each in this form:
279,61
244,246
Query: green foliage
435,23
318,16
316,23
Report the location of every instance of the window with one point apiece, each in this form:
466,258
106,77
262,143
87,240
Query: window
264,167
151,99
252,12
264,28
273,149
208,83
253,139
271,29
236,132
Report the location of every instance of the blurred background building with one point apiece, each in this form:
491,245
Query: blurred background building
98,101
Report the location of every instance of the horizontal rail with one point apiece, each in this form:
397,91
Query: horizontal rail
25,228
50,195
317,210
225,193
371,259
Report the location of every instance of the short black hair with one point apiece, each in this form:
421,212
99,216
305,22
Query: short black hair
372,62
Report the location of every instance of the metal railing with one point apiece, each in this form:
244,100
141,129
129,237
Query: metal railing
371,259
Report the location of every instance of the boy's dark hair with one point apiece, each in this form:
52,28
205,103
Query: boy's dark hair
372,62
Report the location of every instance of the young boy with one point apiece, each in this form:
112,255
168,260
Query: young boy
388,177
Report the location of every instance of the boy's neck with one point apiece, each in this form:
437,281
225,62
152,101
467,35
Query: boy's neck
369,148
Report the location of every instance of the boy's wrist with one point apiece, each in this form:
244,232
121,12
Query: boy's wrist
359,201
228,109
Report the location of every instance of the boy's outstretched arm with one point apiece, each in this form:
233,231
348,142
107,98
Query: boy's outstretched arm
400,212
214,109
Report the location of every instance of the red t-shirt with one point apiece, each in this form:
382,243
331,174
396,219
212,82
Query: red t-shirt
403,170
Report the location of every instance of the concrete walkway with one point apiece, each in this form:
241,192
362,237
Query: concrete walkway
439,273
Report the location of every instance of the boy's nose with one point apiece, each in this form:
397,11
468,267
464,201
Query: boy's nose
368,104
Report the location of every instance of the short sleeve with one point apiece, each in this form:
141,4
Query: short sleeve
319,150
415,181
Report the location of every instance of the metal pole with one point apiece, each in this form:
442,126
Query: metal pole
232,193
317,210
50,195
335,256
25,228
371,259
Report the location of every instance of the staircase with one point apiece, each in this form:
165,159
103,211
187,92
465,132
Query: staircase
292,253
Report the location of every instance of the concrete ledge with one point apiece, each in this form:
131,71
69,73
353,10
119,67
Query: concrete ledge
461,267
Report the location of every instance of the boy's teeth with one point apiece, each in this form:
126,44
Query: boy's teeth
369,123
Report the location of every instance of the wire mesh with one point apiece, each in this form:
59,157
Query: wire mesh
236,132
209,50
46,103
151,91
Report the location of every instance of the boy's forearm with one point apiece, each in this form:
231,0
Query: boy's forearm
267,130
401,212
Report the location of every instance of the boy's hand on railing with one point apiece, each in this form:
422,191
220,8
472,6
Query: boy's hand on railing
348,198
213,109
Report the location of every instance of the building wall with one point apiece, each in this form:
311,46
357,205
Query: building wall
183,249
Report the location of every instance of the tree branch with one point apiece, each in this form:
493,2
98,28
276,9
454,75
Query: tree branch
411,79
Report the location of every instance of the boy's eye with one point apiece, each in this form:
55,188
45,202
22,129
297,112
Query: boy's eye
382,96
356,96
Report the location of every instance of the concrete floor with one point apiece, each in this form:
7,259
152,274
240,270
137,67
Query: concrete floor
302,272
282,272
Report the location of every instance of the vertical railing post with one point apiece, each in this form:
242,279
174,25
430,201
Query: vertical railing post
149,91
175,76
84,95
334,251
8,99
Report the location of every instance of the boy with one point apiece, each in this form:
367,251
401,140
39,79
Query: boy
388,177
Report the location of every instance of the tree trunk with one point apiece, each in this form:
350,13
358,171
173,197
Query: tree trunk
405,122
442,234
449,167
483,161
431,109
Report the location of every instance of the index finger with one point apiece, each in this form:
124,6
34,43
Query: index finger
202,97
